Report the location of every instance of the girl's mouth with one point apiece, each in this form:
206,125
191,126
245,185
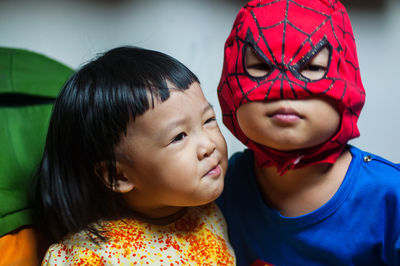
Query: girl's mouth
214,172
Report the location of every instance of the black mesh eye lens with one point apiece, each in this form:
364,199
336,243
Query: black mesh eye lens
317,67
313,72
255,65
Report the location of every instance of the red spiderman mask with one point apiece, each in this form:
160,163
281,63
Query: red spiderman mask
286,35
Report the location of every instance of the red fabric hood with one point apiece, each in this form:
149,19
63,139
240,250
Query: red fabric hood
287,34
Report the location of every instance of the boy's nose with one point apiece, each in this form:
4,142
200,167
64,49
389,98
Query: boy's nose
206,147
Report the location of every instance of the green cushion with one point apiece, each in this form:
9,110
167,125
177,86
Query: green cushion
23,128
27,72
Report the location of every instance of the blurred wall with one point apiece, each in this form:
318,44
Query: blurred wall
194,32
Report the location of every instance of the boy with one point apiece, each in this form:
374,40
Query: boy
291,91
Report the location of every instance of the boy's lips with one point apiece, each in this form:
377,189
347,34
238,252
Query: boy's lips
285,115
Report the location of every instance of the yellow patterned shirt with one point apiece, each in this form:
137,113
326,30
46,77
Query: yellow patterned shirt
198,238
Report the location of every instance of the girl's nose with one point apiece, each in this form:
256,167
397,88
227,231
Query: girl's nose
206,147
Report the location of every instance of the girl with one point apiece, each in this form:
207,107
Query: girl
133,158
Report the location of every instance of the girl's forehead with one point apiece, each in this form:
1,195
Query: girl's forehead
179,105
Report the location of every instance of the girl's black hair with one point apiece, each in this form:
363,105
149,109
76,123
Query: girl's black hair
89,117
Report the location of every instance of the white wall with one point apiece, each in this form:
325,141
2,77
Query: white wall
378,39
194,32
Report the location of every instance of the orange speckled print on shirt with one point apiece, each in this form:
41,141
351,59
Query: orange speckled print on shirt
198,238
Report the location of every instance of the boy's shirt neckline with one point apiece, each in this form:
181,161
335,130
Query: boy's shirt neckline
294,223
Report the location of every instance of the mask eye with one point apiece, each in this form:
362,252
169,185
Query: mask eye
255,65
317,67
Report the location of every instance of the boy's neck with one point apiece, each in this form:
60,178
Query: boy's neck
301,191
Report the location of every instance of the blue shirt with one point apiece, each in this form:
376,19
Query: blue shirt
359,225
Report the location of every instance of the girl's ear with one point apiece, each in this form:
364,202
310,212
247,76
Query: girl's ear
121,184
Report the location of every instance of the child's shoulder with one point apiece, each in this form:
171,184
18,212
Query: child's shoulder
84,247
372,163
130,240
374,169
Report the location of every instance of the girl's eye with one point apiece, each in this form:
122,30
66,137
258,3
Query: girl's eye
210,120
179,137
